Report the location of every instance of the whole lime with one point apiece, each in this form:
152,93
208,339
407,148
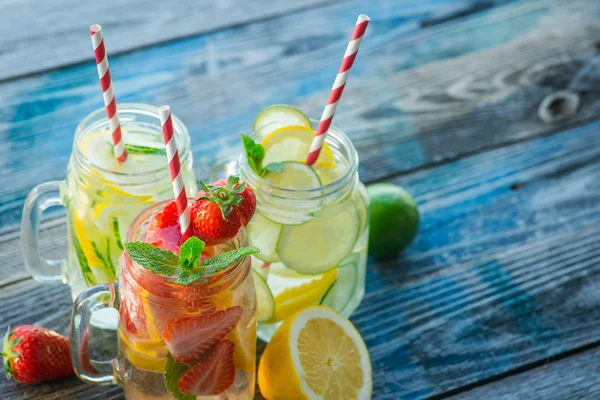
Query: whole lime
394,219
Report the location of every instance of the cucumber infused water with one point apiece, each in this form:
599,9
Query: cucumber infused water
311,223
103,196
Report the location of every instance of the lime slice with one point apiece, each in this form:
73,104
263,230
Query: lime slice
263,233
278,116
323,242
291,143
264,298
340,293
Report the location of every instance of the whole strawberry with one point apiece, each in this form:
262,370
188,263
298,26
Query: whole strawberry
220,210
34,354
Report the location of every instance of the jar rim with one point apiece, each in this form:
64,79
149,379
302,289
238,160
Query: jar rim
239,240
86,127
333,134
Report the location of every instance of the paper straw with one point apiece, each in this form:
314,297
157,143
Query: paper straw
337,89
175,167
108,93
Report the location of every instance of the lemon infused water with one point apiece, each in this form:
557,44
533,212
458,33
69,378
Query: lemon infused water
103,196
311,225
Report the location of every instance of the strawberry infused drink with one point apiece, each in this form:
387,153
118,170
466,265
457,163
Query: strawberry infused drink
187,303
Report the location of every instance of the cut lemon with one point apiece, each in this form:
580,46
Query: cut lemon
316,354
244,339
278,116
264,298
296,298
291,143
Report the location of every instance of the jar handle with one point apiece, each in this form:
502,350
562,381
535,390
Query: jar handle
225,167
38,200
89,301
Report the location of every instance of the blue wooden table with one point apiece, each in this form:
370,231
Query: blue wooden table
485,110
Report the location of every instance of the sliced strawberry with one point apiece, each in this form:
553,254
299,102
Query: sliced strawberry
188,338
213,375
164,231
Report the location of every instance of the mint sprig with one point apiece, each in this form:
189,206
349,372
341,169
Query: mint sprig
255,154
174,371
215,264
186,266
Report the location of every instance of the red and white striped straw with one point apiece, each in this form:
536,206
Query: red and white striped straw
176,178
337,89
108,93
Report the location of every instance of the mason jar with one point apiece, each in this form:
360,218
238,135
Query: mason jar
102,197
314,241
149,304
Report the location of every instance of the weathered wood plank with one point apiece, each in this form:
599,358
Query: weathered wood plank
574,378
502,274
129,25
483,80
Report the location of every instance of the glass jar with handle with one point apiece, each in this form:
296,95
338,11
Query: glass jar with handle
103,196
202,334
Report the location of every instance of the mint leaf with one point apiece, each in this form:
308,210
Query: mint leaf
189,252
214,265
187,277
135,149
152,258
223,260
255,153
173,373
273,167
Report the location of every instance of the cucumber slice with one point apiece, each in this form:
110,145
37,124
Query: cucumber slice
295,175
264,298
323,242
363,206
342,290
263,233
279,116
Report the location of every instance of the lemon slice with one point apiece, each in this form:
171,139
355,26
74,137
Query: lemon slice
316,354
278,116
291,143
322,243
296,298
244,339
264,298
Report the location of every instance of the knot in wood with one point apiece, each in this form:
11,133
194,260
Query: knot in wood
558,106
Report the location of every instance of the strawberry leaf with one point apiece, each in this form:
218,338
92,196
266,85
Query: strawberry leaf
189,253
173,373
152,258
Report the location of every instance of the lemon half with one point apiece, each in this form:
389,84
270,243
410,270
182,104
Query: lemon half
316,354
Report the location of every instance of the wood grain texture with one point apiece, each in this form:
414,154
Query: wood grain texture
502,274
61,35
573,378
396,109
